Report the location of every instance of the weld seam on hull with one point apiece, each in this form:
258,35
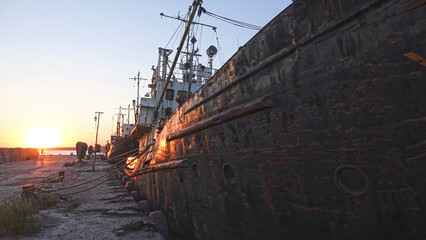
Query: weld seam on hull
235,112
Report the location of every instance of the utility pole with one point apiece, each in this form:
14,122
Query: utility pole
97,119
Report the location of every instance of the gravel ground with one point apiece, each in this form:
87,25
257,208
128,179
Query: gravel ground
104,212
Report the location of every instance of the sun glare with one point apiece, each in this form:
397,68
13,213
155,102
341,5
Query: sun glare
43,137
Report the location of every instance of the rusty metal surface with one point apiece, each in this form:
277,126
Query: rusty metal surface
339,155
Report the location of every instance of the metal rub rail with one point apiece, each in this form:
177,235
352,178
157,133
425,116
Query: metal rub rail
232,113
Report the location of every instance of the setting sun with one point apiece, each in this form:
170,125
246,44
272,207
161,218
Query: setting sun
42,137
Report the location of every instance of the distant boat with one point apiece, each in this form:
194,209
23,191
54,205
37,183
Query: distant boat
121,143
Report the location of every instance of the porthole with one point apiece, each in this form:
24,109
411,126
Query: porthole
229,173
351,180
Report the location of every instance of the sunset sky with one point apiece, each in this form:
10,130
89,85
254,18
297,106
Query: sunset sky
62,60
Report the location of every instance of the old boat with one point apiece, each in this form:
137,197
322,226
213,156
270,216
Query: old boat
315,129
121,142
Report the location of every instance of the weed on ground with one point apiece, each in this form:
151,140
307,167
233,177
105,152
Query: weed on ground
17,215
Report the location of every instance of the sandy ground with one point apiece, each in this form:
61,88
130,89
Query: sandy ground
104,212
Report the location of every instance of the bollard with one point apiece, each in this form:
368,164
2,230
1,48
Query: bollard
144,206
61,175
136,195
125,179
160,223
130,185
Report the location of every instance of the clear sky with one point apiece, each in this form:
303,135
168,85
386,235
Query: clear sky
62,60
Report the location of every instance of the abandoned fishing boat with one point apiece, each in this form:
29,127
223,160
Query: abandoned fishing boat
314,129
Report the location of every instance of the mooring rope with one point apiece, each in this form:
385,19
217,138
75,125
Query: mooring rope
87,189
106,174
57,177
78,182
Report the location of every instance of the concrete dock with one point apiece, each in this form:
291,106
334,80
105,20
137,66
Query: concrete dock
106,211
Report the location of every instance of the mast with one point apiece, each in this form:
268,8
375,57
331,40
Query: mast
186,21
191,69
138,80
188,25
128,113
119,121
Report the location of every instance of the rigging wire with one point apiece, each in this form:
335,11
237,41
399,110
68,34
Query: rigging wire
232,21
178,28
180,24
179,34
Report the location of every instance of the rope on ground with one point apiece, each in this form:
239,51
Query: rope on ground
87,189
92,175
49,179
108,171
15,195
76,184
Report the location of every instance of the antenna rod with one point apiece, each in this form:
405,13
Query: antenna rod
188,25
137,99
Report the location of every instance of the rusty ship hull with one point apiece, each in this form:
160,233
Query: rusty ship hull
121,146
315,129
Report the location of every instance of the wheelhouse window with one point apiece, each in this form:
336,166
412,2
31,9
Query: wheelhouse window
170,94
182,94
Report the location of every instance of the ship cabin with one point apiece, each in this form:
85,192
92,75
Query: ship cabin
126,129
185,78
